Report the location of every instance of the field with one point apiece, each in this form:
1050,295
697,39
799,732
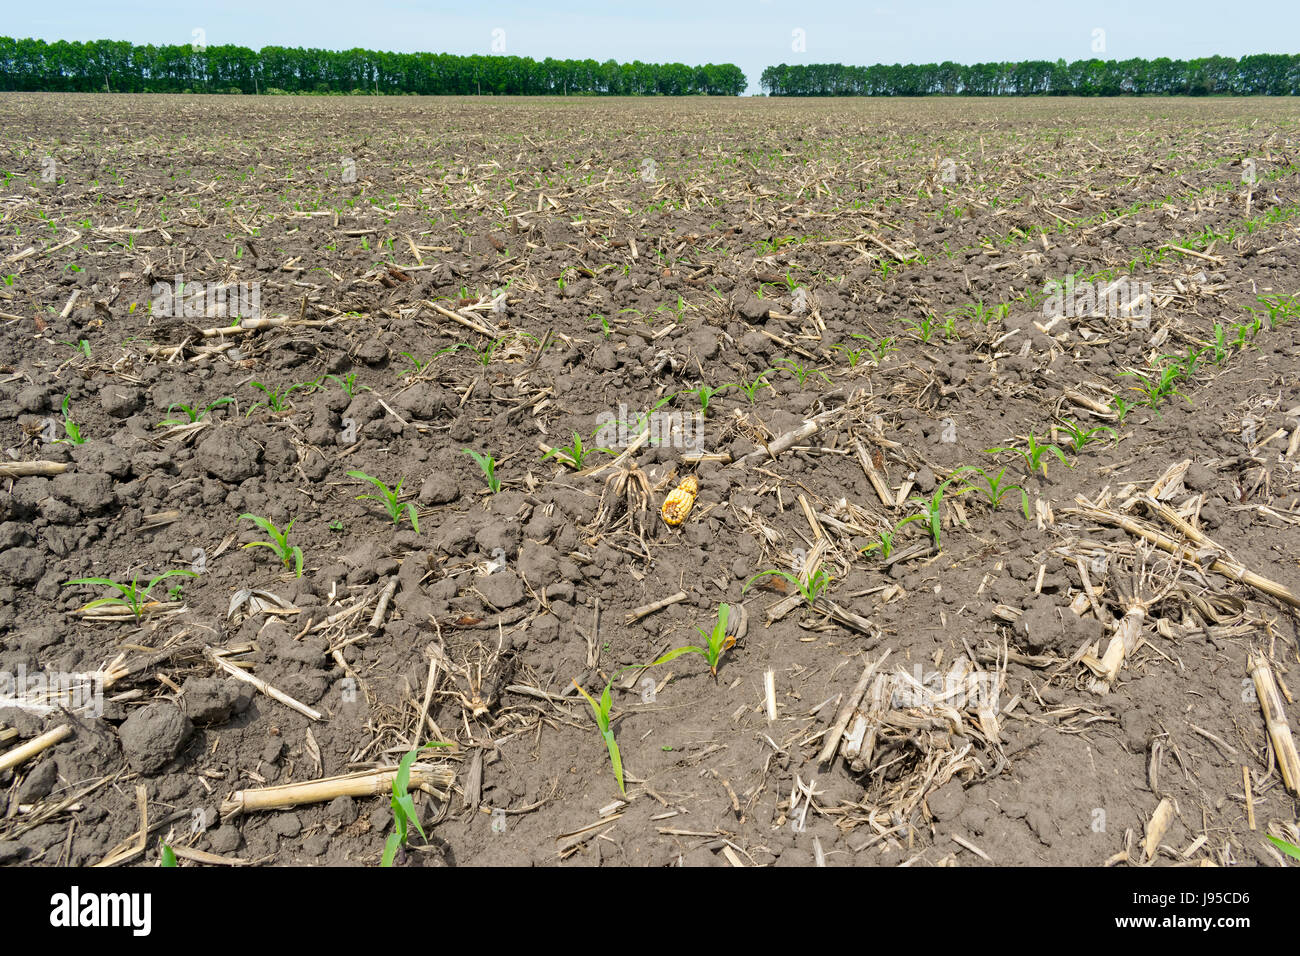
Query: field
1005,390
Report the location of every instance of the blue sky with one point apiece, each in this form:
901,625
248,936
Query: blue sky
750,33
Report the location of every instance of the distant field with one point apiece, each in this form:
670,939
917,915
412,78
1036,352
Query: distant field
1004,388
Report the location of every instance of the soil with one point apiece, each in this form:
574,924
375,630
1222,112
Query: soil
599,257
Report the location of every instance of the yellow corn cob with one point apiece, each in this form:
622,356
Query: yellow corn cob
679,501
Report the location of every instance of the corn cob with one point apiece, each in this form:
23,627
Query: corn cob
679,501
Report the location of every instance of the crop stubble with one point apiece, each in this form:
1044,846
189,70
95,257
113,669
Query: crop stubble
462,276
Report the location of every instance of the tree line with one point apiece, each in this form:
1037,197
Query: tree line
123,67
1265,74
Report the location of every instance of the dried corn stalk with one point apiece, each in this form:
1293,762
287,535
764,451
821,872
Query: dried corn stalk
431,779
1136,601
1157,826
1122,645
1279,732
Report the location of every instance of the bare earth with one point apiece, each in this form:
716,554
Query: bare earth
439,275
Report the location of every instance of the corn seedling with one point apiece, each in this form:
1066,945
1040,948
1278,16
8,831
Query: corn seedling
1155,390
403,804
192,414
924,329
1243,330
488,465
1193,358
884,543
979,312
1184,366
851,354
750,389
1121,407
716,643
348,383
1081,437
1034,454
704,394
290,556
1281,309
993,489
168,856
801,372
1220,345
573,455
418,367
389,498
132,595
484,355
71,430
601,711
877,348
930,514
276,400
818,583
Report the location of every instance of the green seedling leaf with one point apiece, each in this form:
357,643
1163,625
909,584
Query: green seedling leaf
390,499
288,555
1290,849
601,711
403,804
487,464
